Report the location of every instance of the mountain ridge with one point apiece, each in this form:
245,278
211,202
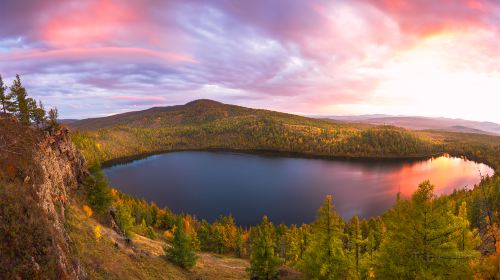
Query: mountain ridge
424,123
200,110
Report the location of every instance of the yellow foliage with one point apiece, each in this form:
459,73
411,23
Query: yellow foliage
87,210
114,193
168,234
371,273
97,232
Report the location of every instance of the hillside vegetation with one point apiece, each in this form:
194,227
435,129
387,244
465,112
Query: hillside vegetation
206,124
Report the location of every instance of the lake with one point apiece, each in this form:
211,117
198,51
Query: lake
288,190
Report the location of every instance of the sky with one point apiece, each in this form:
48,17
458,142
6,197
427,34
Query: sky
400,57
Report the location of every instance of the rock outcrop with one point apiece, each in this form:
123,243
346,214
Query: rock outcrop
47,167
63,169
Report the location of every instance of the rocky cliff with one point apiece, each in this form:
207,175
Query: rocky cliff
38,172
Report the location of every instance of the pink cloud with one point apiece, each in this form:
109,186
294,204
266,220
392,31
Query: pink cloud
115,53
137,98
429,17
87,23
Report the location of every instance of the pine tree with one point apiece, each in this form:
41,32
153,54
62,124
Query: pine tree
5,98
21,105
124,220
37,113
53,115
263,260
98,191
181,252
423,240
324,257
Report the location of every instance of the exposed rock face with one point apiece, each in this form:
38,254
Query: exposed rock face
46,167
62,168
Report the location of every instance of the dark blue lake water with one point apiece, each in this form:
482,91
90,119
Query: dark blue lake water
288,190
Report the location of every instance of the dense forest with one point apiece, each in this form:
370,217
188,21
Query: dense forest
423,237
205,124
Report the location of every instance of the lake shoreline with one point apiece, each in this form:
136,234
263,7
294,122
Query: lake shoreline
274,153
216,182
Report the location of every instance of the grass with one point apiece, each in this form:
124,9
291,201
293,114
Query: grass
144,258
101,259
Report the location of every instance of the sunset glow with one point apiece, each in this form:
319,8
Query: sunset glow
401,57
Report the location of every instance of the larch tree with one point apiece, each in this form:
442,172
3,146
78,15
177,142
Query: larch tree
21,106
324,257
423,240
124,220
98,191
240,249
53,115
263,259
181,252
293,239
37,113
5,98
355,241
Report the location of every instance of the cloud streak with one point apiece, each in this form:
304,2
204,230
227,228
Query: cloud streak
310,57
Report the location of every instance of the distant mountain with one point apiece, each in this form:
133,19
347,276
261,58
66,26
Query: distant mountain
356,118
192,113
197,111
425,123
67,121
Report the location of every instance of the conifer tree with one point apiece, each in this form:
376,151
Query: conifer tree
263,259
37,113
355,241
324,257
5,98
124,220
423,240
98,190
204,235
240,249
21,105
181,251
53,115
293,240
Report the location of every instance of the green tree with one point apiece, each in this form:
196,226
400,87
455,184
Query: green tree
240,249
423,240
98,191
5,98
263,260
21,106
37,113
124,219
181,252
53,115
356,241
204,236
324,257
293,240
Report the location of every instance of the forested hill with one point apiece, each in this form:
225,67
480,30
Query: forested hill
195,112
206,124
